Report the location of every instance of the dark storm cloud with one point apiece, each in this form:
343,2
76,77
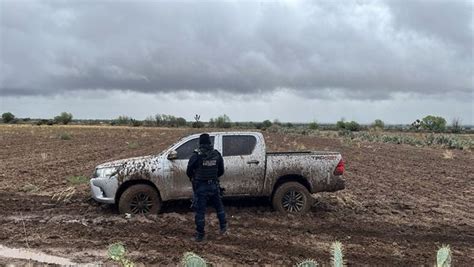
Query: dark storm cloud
365,49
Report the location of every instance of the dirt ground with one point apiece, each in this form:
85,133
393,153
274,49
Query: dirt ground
400,204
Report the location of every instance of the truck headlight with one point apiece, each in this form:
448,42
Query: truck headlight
105,172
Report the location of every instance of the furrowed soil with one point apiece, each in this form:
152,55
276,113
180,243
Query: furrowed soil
401,203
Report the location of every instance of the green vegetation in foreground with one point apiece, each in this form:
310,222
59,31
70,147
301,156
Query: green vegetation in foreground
78,179
117,252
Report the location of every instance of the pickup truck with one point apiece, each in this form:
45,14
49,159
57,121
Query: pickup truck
142,184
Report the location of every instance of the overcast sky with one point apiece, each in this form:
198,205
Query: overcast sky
288,60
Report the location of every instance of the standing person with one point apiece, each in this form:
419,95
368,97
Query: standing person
205,167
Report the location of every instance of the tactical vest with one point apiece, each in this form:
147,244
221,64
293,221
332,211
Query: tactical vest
207,165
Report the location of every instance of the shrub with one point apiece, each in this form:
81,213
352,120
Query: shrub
197,123
313,125
378,124
221,122
340,125
135,123
149,121
122,120
169,120
8,117
266,123
352,126
180,121
64,136
456,125
433,123
63,118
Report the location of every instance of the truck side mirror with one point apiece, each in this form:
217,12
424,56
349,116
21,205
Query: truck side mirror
173,155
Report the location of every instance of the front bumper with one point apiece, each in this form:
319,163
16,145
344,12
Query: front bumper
103,189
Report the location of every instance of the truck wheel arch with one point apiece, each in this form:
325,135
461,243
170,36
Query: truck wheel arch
291,178
129,183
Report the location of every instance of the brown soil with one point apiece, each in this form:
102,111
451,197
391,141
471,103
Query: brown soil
401,203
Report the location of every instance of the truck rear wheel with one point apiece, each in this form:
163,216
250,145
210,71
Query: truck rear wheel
140,199
292,197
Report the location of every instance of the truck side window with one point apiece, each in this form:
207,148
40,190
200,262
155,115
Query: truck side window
236,145
186,150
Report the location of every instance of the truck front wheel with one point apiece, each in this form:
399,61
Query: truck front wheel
292,197
139,199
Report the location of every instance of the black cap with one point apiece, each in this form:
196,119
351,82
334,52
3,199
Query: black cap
204,139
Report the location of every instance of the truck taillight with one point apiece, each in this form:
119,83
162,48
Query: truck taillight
339,168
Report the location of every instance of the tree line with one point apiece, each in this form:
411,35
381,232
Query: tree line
429,123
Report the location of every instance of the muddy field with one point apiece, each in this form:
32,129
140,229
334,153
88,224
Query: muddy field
401,203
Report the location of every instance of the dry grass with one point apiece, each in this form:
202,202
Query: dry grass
448,154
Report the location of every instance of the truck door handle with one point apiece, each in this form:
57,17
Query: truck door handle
256,162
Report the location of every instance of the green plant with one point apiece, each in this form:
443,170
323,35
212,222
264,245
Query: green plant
197,123
313,125
378,124
135,123
133,145
337,257
352,126
456,126
221,122
192,260
341,124
122,120
266,123
433,123
65,136
8,117
117,253
78,179
443,256
63,118
308,263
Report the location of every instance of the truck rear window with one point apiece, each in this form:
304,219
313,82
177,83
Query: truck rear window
238,145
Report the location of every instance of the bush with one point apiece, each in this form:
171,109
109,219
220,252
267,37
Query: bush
149,121
313,125
266,123
221,122
64,136
433,123
456,125
341,125
135,123
122,120
8,117
378,124
169,120
197,123
352,126
63,118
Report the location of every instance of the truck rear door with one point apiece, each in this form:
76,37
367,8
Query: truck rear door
244,162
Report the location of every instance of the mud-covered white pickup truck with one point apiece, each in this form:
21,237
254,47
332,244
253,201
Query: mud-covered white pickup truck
140,185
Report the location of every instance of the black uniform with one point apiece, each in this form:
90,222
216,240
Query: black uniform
205,166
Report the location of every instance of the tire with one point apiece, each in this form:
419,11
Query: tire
292,197
140,199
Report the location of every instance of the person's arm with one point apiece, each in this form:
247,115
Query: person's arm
191,166
220,166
